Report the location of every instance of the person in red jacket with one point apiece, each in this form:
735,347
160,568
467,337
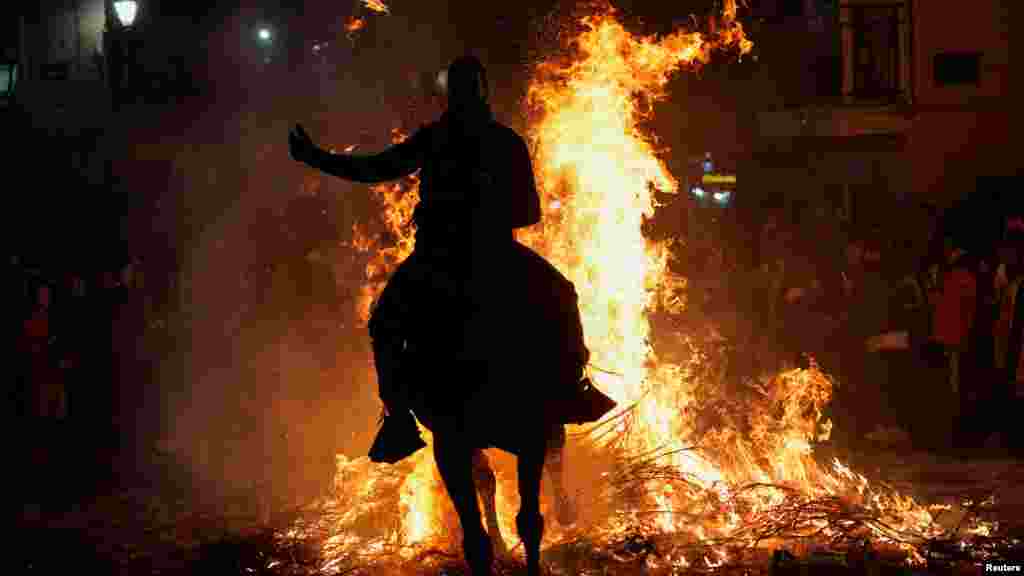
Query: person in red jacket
955,305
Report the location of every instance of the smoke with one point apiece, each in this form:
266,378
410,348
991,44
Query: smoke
272,375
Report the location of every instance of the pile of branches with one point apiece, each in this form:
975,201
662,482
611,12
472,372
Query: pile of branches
311,546
798,521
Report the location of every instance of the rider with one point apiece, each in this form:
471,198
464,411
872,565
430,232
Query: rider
476,179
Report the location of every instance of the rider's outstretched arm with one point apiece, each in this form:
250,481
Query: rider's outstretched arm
395,162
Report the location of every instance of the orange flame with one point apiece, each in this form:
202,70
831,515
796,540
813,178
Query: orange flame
597,170
353,25
377,6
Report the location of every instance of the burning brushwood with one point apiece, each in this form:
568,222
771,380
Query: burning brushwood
700,473
377,6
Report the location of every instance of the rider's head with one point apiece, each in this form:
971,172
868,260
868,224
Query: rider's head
466,82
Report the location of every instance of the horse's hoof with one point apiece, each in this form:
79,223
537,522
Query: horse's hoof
479,554
530,527
498,542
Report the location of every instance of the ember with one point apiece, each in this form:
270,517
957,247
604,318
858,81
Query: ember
377,6
353,25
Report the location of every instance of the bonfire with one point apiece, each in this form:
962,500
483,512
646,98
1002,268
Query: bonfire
661,488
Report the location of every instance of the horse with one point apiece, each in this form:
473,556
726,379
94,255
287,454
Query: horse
493,379
554,468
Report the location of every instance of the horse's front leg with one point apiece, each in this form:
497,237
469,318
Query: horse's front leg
529,521
555,467
454,459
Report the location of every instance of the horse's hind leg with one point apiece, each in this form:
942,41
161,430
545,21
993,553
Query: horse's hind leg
487,487
455,463
529,522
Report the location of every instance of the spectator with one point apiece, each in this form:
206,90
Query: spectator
853,271
979,376
73,333
136,418
1007,397
46,393
845,406
955,305
802,329
869,316
98,358
775,243
896,348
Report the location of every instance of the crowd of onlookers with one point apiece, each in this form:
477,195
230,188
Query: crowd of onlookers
919,326
922,332
82,370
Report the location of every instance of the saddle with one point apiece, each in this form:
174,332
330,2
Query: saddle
529,348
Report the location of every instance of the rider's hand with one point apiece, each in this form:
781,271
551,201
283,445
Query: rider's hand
300,146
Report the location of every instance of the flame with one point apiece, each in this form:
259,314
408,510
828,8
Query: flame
601,169
377,6
398,199
598,171
353,25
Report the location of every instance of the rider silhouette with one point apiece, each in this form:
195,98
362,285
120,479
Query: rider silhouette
476,187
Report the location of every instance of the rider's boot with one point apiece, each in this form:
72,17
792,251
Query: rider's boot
399,436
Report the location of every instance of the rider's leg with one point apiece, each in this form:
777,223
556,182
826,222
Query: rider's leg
399,436
555,466
386,338
454,458
529,522
487,486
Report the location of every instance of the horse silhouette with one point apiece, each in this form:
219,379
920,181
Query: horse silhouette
476,334
493,380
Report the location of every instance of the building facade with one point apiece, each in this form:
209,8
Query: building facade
886,104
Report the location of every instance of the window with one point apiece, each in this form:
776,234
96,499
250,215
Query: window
876,58
957,68
875,51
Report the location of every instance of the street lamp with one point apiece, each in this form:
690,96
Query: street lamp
126,11
121,15
8,79
266,39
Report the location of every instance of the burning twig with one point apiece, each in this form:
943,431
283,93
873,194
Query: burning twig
377,6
